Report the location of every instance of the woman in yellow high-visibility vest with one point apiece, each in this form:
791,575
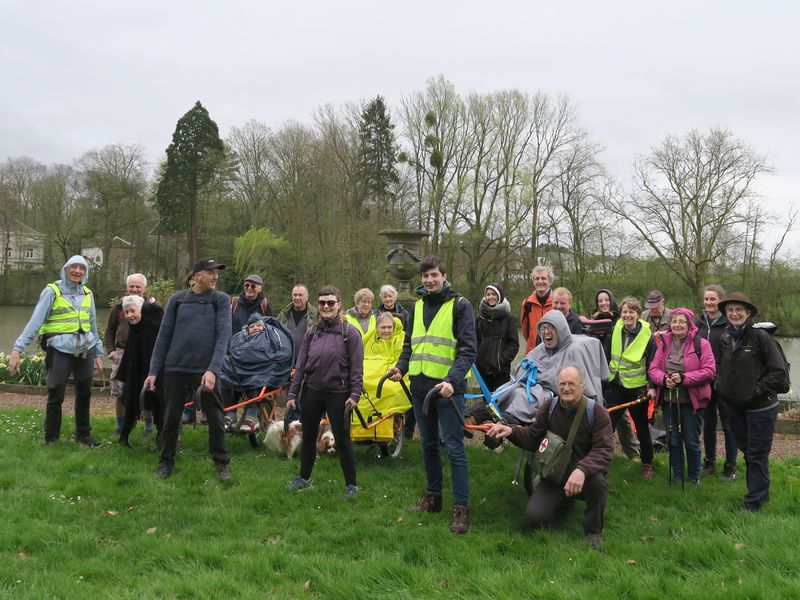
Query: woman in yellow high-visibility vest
632,349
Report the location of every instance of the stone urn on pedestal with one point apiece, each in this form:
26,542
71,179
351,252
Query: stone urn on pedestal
404,258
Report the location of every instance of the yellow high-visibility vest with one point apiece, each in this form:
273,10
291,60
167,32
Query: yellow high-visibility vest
370,328
630,363
433,350
63,317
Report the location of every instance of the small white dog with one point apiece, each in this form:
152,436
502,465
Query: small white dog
292,438
289,441
273,438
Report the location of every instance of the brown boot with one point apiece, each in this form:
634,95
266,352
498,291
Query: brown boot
428,502
460,523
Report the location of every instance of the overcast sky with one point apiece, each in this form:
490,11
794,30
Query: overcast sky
79,75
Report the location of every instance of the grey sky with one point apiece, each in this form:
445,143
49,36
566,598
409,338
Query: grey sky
80,75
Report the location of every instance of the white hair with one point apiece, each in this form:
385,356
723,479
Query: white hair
544,269
388,289
133,276
132,301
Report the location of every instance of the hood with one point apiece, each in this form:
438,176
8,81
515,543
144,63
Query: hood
77,259
689,317
557,319
254,317
614,307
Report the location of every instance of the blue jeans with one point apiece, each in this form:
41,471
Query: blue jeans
683,428
710,431
754,430
441,416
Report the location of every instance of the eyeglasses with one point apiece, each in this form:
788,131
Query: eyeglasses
330,303
250,286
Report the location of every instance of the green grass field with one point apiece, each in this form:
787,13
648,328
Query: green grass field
96,523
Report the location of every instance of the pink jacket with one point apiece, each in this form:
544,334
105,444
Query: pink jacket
699,371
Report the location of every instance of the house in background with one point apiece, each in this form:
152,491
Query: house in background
119,256
23,247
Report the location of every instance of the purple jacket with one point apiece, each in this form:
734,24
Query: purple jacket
699,371
326,363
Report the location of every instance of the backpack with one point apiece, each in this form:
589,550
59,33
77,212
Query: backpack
785,384
263,308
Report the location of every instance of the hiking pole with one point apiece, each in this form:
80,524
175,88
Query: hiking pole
684,466
669,436
515,481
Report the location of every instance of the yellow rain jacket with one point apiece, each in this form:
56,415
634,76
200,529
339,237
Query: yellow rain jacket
379,355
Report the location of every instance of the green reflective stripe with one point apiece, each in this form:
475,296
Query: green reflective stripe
63,317
432,358
630,374
432,339
433,349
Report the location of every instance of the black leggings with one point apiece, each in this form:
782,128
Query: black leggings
313,405
618,395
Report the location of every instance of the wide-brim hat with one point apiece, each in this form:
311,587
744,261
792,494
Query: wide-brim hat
738,298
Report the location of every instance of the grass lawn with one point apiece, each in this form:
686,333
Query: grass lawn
96,523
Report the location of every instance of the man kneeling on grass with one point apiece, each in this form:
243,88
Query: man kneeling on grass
580,470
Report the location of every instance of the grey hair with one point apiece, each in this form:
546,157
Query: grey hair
388,289
384,316
544,269
133,276
132,301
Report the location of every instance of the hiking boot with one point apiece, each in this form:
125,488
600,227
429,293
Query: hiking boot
460,522
350,492
223,472
123,441
428,502
187,418
595,540
164,471
728,474
709,466
647,470
88,440
298,483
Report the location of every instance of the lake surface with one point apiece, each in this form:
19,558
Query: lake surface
14,318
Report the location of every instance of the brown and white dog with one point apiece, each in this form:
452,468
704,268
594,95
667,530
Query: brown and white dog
289,441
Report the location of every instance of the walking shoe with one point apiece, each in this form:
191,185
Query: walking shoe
695,482
223,472
728,474
350,491
647,470
460,522
123,441
89,441
709,466
428,502
187,418
163,472
298,483
595,540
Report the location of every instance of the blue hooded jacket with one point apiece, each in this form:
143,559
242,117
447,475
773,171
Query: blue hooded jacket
74,293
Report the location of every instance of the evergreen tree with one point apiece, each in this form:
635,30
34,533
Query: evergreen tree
193,160
377,154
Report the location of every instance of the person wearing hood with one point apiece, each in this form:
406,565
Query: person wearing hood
496,334
65,317
144,321
751,370
558,347
260,355
438,352
682,372
711,326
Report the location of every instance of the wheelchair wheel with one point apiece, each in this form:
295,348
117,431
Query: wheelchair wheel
395,447
528,476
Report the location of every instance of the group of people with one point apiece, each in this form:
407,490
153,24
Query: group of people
720,362
579,376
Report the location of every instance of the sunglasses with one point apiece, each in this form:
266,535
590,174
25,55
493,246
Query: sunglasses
330,303
249,286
